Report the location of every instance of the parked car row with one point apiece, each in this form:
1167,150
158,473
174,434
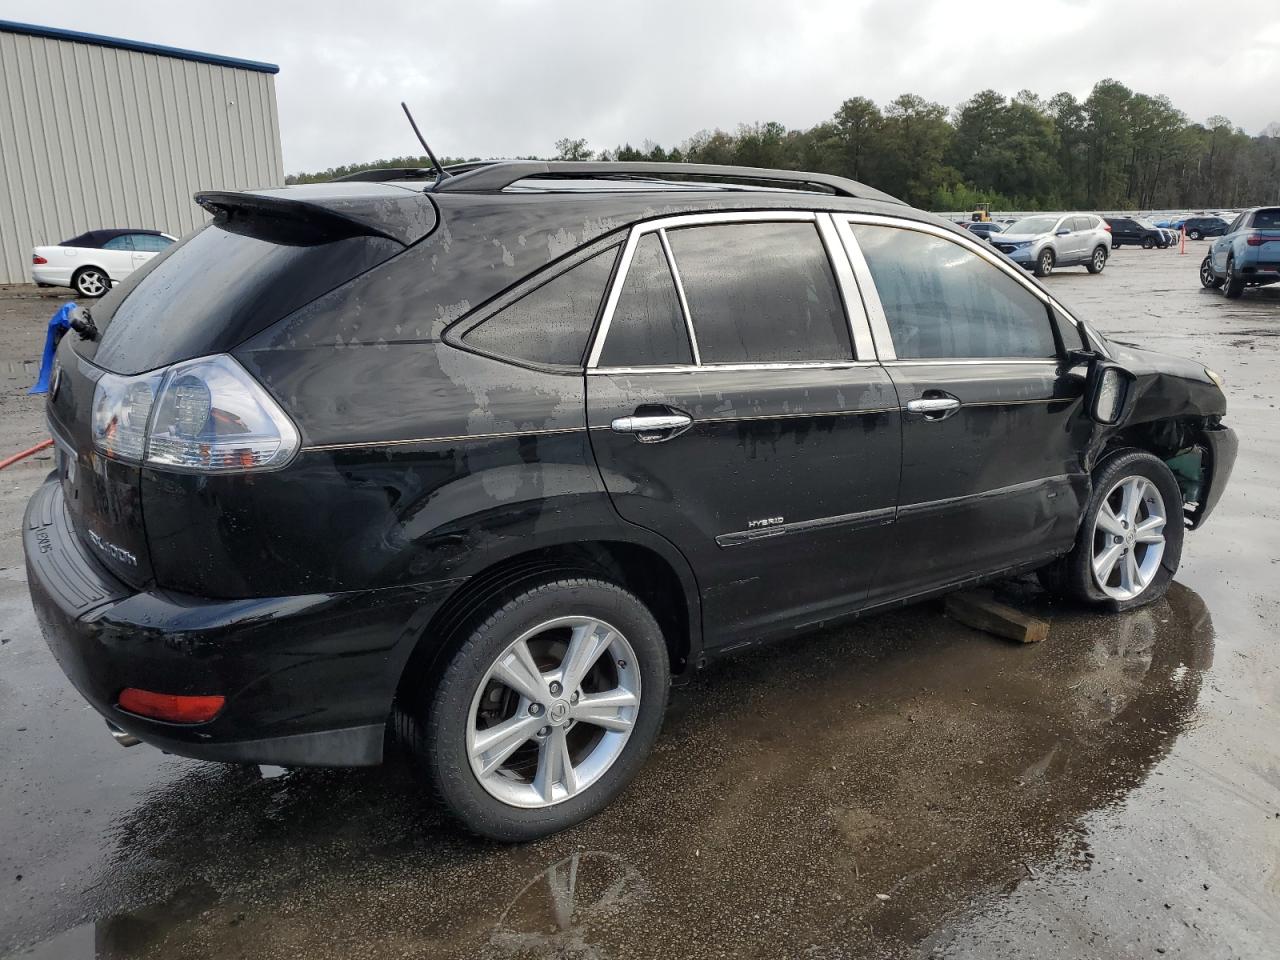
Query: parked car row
94,261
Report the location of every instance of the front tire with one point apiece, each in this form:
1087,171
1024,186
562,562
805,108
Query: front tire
1147,243
1044,263
1208,279
1098,262
1232,285
1194,234
547,710
1129,543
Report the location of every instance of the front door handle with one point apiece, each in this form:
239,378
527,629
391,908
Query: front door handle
935,407
653,428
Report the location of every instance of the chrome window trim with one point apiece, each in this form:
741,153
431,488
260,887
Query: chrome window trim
1051,362
872,307
734,367
843,220
684,302
660,226
838,255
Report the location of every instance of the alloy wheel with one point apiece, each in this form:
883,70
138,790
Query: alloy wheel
1206,273
91,283
1099,261
1046,263
1128,538
553,712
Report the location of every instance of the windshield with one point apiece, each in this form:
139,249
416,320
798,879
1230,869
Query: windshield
1033,225
1146,224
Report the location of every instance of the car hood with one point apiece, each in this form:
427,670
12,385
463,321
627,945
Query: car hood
1020,237
1168,386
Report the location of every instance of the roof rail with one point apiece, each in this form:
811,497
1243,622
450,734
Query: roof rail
384,174
496,177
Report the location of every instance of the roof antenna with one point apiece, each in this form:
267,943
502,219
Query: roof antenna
441,173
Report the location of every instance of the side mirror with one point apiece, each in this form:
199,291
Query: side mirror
1108,392
1063,232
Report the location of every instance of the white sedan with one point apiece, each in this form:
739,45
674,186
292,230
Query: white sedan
93,261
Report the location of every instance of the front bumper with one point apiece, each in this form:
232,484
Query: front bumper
309,680
1223,445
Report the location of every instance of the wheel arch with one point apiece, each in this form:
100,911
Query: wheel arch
1182,443
648,567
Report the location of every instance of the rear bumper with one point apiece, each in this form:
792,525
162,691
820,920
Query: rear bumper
54,276
309,680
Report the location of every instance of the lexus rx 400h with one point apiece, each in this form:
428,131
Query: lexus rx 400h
486,461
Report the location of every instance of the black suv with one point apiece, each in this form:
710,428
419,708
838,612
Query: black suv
489,461
1198,228
1137,232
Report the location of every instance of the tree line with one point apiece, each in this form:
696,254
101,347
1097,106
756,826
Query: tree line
1114,150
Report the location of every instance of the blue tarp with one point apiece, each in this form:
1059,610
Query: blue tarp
59,324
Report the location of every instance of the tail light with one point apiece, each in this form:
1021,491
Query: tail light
1257,239
1106,226
198,416
36,259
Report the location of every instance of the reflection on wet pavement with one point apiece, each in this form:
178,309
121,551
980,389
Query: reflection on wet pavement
839,796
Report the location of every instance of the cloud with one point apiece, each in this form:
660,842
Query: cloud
509,77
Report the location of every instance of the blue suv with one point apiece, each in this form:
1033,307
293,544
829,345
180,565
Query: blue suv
1247,255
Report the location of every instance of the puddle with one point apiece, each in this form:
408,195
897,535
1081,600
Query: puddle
838,795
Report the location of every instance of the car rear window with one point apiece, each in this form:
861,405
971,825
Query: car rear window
1267,219
550,324
761,292
214,290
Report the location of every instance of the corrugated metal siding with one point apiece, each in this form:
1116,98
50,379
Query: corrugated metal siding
94,136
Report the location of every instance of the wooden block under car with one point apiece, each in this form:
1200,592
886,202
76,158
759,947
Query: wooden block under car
980,610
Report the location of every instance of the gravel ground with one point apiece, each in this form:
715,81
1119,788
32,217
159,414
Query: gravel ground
902,787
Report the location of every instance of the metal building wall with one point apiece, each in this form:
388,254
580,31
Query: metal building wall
96,136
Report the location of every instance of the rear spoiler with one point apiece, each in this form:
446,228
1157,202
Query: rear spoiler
317,213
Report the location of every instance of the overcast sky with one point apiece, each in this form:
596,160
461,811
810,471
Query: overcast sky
510,77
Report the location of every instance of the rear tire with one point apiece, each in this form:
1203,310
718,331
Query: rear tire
1141,500
508,671
1232,286
91,282
1044,263
1098,260
1194,234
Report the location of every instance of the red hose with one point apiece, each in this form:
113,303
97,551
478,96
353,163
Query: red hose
10,461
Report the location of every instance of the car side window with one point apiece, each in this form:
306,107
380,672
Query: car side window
942,301
122,242
761,293
149,242
647,328
551,323
1081,223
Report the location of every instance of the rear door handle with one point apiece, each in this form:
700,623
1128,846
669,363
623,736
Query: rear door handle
653,428
934,408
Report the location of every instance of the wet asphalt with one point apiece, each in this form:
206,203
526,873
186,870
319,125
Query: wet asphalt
899,787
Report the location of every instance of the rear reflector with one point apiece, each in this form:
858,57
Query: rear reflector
170,708
37,259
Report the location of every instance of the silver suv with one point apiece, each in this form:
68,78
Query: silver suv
1049,240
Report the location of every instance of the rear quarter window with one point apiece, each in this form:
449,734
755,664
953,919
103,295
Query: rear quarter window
552,323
